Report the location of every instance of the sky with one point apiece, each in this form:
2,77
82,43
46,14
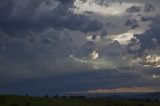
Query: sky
79,46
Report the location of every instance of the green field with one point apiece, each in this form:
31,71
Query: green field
42,101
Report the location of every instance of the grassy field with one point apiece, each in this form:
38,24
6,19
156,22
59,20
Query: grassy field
41,101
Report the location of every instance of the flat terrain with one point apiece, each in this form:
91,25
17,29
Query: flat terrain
45,101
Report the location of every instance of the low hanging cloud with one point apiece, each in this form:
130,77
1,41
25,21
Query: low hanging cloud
125,90
142,89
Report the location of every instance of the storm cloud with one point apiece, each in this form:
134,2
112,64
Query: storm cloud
98,44
150,39
30,26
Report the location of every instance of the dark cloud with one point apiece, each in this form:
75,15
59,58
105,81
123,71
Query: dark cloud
114,49
146,18
148,40
46,39
86,49
104,34
32,16
131,23
109,78
149,7
104,3
25,23
36,36
133,9
6,8
66,1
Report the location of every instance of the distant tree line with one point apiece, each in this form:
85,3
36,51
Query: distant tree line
69,97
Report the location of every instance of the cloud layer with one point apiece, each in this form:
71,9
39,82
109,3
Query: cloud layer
49,38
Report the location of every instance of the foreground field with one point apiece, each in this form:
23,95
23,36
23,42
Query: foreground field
45,101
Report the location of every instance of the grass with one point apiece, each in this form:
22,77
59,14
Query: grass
41,101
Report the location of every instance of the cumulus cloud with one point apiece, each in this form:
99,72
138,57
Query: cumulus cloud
146,45
149,39
153,60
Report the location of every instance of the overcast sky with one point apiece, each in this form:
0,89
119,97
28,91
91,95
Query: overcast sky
95,46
